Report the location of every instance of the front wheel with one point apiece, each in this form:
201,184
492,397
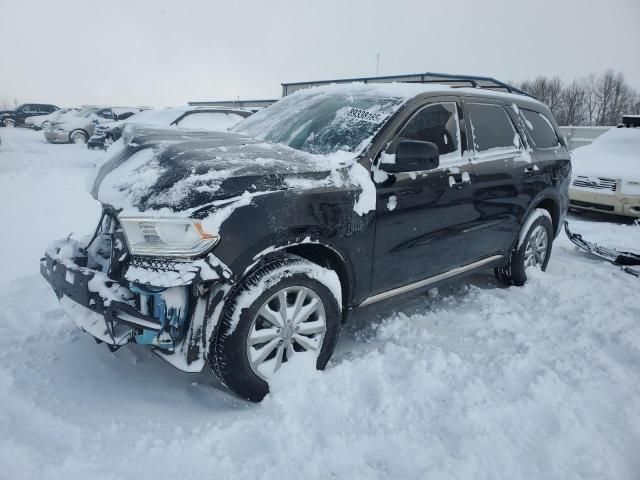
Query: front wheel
286,309
533,249
44,126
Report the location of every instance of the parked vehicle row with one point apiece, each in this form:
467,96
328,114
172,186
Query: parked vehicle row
205,118
246,250
77,127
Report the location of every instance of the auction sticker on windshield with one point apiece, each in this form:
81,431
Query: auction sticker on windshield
364,115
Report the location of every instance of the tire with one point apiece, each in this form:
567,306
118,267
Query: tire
44,125
533,250
78,137
9,122
241,321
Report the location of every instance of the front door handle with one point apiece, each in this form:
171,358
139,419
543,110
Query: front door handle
465,179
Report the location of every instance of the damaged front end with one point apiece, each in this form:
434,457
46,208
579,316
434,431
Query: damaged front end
170,305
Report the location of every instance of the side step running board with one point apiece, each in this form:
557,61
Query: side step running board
428,281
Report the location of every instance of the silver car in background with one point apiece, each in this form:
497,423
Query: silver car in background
79,127
198,118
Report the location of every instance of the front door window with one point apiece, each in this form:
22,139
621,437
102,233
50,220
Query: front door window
437,123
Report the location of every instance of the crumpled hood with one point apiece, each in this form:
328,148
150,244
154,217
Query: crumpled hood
158,169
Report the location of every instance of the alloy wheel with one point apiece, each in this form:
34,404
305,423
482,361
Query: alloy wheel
290,322
536,249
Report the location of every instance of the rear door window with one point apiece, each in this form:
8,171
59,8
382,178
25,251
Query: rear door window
491,128
437,123
540,129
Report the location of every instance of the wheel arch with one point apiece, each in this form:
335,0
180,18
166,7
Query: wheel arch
327,257
552,206
317,252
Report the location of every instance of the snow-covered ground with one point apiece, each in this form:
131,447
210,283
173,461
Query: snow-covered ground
475,381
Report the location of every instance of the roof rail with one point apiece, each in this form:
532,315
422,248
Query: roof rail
233,103
427,77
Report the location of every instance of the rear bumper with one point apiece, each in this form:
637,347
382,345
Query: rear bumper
613,204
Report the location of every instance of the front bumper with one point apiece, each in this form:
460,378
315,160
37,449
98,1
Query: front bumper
613,204
173,316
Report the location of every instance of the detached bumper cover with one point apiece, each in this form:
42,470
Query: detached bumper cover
143,310
91,302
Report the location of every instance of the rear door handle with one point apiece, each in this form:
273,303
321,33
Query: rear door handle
465,178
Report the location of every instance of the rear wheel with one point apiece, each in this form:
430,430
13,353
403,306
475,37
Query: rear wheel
9,122
78,137
533,249
281,312
44,125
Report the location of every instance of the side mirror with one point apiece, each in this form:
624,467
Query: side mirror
413,156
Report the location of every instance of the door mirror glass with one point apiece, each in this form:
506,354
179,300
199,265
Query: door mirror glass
413,156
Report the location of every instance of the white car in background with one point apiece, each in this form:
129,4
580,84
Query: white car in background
40,122
200,118
606,174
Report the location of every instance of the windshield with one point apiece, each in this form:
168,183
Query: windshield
323,120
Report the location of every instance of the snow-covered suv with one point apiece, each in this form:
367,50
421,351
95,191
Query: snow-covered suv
246,250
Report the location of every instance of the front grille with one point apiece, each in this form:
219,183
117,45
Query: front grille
597,206
155,263
595,183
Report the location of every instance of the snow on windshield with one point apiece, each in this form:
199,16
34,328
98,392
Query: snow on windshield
324,120
614,154
215,121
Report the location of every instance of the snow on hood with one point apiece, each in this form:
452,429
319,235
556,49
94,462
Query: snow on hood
614,154
169,171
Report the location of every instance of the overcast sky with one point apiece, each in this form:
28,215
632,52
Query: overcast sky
166,52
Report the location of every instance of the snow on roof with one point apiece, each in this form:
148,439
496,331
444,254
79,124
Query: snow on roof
410,90
614,154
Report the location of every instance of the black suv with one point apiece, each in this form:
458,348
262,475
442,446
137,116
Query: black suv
13,118
246,250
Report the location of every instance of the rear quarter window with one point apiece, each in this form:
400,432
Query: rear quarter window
540,129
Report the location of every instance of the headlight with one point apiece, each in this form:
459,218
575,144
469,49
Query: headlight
166,237
630,188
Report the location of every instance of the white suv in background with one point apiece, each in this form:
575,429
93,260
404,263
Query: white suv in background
606,174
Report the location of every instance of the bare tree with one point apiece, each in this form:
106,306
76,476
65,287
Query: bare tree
591,100
547,90
572,104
